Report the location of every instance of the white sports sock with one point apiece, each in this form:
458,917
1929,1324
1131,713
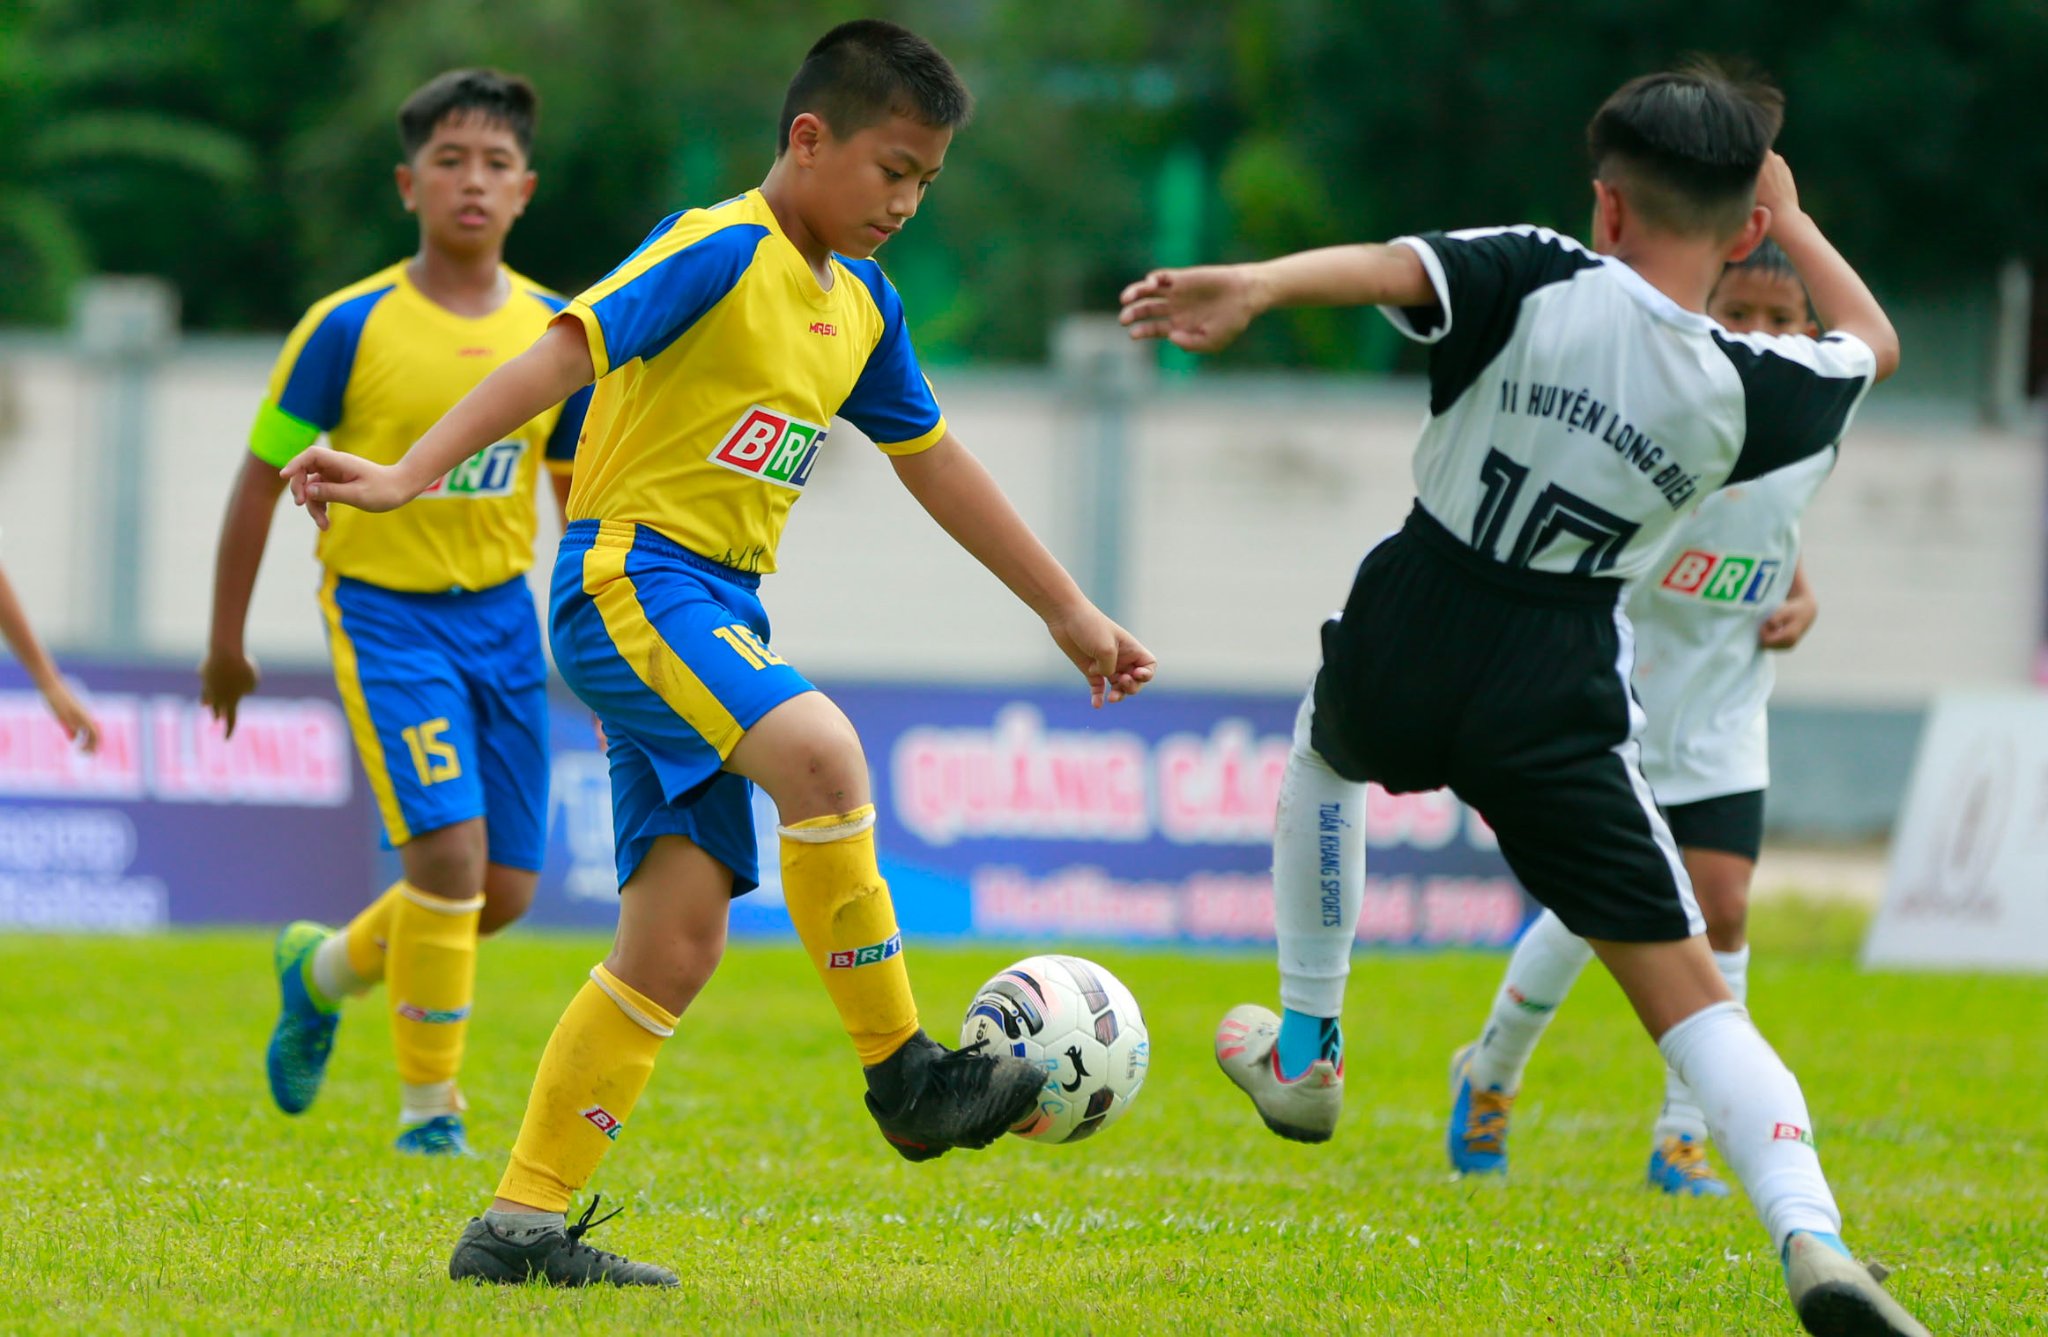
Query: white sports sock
419,1102
1758,1118
1318,875
1546,962
333,976
1681,1115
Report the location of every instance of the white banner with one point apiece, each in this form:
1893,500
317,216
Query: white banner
1969,873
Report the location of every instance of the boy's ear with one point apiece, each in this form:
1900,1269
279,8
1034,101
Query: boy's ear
526,191
806,136
1608,210
403,176
1752,235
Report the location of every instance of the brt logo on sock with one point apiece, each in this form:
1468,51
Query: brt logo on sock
869,955
433,1016
604,1122
1722,577
772,447
1791,1132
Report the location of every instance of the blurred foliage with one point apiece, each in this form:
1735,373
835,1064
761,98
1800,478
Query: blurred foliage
245,151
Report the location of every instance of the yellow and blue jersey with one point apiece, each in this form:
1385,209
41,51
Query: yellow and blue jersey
374,366
721,364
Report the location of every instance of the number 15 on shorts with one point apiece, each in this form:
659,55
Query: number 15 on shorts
432,756
749,646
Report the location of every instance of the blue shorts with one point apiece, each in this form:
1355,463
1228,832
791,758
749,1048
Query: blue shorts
447,695
671,651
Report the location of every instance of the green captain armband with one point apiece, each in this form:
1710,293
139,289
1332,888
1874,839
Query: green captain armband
277,436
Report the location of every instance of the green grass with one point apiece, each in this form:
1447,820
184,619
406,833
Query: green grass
153,1188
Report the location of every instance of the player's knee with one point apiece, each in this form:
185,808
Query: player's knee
508,895
673,965
448,863
818,769
1727,919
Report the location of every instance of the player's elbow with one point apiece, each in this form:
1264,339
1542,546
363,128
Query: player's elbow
1884,346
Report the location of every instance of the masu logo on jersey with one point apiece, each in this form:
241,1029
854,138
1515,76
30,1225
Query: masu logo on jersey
491,472
1723,578
771,446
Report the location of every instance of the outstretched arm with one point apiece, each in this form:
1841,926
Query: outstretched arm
958,492
78,722
1205,308
1840,297
544,375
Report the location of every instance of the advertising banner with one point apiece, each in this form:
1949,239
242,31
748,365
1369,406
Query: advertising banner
1969,874
1023,814
171,822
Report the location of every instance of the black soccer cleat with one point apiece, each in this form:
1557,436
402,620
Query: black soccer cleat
929,1099
558,1257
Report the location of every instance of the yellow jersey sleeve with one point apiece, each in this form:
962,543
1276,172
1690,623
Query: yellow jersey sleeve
310,377
684,268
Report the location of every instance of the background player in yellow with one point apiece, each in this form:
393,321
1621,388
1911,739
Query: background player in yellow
436,648
726,344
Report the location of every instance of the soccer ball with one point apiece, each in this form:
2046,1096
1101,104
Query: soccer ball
1078,1022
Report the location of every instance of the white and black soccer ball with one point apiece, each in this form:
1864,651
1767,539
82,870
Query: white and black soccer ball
1078,1022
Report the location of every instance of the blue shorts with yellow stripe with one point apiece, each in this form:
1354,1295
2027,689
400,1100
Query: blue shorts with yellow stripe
670,649
447,695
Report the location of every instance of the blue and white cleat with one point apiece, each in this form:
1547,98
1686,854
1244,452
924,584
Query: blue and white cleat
1478,1134
441,1135
304,1034
1679,1167
1836,1296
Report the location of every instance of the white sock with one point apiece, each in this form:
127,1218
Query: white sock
1546,962
1318,876
523,1226
333,976
419,1102
1681,1115
1757,1117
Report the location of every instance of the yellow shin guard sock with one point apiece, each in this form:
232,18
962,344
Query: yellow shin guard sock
369,935
596,1065
841,908
430,978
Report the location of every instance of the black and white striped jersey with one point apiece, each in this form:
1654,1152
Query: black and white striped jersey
1576,413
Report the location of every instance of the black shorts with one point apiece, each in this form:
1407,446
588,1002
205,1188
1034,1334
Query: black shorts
1730,824
1511,687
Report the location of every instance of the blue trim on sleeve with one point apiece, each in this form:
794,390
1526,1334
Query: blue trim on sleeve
653,309
549,300
313,392
892,402
569,427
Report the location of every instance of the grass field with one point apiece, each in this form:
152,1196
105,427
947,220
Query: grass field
154,1188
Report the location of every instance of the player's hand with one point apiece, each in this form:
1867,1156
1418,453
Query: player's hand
224,679
321,475
79,725
1112,660
1775,189
1789,622
1201,309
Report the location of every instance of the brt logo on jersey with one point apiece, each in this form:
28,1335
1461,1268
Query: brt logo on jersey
1723,578
491,472
772,447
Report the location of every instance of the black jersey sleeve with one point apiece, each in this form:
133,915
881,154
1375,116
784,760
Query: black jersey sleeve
1481,276
1798,394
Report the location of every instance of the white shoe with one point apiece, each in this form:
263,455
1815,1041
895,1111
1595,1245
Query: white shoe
1304,1109
1835,1296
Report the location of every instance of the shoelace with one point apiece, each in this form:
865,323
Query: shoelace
1487,1128
1688,1158
957,1066
584,1225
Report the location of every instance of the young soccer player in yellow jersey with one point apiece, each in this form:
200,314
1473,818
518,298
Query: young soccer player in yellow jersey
436,648
725,346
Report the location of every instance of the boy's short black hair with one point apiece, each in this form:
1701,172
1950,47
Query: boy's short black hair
1770,259
1685,145
498,97
865,71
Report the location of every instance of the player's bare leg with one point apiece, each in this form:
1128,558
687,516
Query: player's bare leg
1758,1117
1678,1142
926,1098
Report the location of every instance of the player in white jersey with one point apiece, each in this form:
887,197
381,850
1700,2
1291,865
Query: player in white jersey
1727,590
1581,402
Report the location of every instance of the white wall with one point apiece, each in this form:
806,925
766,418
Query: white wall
1251,502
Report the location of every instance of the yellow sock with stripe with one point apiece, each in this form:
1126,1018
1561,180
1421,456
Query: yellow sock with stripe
430,977
842,912
368,935
596,1065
